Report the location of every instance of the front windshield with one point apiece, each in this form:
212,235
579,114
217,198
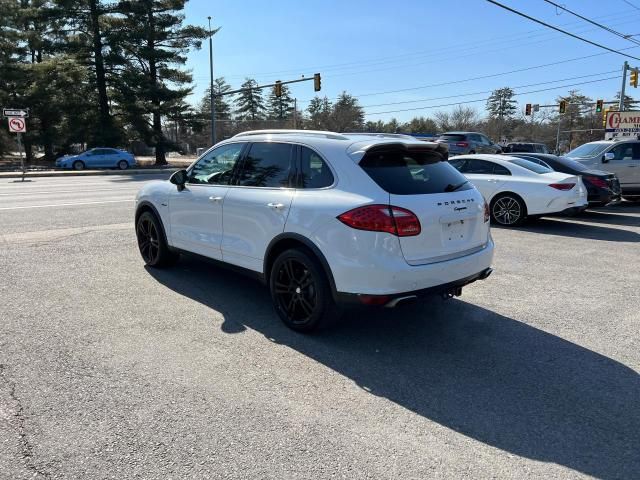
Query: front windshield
587,150
534,167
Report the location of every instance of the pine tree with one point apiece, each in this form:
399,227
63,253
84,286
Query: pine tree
501,103
249,103
347,115
280,108
151,42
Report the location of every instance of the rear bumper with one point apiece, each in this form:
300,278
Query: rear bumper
391,300
399,278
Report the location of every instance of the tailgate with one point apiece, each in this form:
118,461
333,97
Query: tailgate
452,226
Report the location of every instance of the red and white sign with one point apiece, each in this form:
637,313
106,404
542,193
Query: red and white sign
17,125
622,124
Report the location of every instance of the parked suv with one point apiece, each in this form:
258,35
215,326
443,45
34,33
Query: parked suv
324,219
621,157
462,143
529,147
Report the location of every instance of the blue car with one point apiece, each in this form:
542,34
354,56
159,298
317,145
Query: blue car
98,158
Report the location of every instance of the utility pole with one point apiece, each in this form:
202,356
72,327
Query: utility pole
295,113
212,96
625,67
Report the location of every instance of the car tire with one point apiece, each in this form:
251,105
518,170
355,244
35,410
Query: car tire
78,165
301,293
123,165
508,210
472,152
151,242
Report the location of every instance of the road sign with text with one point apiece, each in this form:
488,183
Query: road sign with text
17,125
15,112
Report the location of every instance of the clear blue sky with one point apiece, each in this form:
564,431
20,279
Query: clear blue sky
367,47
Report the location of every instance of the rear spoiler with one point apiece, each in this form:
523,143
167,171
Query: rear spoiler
442,149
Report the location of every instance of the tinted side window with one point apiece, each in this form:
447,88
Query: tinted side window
315,172
475,138
216,167
636,151
267,165
478,167
411,172
623,151
500,170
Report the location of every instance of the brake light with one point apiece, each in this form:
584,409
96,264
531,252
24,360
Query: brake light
487,213
598,182
462,144
562,186
383,218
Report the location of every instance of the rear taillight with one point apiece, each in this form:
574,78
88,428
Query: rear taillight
487,213
562,186
598,182
383,218
462,144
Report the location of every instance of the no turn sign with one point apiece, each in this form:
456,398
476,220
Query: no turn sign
17,125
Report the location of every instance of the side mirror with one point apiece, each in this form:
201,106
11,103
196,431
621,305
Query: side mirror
179,178
608,156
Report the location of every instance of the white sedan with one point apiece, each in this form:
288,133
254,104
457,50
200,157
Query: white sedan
516,188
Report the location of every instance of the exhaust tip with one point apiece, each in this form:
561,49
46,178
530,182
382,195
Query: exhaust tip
394,303
485,274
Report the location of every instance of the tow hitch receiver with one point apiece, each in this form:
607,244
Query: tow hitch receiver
452,292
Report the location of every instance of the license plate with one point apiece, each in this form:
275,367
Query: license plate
454,231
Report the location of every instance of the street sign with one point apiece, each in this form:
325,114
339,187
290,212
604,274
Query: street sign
536,107
17,125
622,124
15,112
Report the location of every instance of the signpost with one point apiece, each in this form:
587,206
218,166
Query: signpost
17,125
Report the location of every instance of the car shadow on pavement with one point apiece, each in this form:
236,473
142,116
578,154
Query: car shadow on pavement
611,218
575,229
487,376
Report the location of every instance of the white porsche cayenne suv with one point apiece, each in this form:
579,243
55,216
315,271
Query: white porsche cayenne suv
324,219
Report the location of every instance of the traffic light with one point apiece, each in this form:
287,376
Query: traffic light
527,109
563,106
278,88
604,118
317,83
633,78
599,104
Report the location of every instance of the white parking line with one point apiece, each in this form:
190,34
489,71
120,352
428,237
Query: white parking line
66,204
39,192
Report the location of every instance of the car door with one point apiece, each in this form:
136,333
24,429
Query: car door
486,176
91,158
195,212
256,208
623,164
101,157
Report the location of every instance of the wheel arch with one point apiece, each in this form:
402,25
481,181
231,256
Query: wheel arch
288,240
146,206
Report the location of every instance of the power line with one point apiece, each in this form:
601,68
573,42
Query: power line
560,30
610,30
485,99
488,91
631,4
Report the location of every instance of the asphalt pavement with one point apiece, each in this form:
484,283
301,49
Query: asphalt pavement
112,370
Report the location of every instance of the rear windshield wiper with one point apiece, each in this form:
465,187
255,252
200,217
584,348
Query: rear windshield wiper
453,188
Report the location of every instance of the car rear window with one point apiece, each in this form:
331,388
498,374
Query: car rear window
452,137
534,167
401,171
567,162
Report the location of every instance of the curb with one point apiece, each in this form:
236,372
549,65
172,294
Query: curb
83,173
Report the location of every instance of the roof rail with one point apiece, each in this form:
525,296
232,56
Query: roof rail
380,134
277,131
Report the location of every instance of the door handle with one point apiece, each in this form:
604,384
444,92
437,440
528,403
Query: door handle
215,199
277,206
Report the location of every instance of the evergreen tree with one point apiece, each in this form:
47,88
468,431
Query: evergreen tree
347,115
151,42
249,103
501,103
629,102
280,108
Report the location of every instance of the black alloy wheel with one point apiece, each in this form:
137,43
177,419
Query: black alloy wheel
78,165
300,291
508,210
151,243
